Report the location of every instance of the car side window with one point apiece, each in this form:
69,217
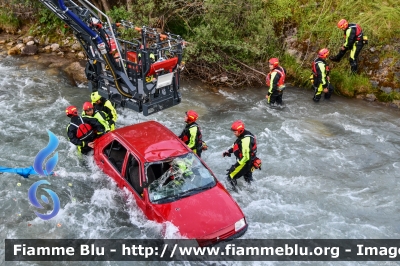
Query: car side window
132,174
115,153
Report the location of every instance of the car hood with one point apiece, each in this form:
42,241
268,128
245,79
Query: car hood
202,215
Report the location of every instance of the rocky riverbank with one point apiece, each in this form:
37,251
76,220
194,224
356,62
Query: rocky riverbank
68,58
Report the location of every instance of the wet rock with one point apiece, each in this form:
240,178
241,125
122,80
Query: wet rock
373,60
81,55
29,50
396,103
374,83
10,44
27,39
76,47
382,73
58,64
360,96
387,62
76,72
386,89
47,49
14,51
20,46
370,97
55,47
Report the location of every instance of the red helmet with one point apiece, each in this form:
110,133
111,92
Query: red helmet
323,53
274,61
71,111
87,106
238,126
342,24
191,116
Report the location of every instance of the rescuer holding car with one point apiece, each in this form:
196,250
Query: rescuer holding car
102,104
82,131
191,134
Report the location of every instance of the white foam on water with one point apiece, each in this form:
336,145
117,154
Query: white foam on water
329,169
356,129
228,95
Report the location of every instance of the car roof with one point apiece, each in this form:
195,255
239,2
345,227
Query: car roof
151,140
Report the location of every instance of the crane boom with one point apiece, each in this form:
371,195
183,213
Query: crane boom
141,74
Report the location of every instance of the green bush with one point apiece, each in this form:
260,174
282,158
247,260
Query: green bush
388,97
119,13
48,24
350,85
8,21
226,34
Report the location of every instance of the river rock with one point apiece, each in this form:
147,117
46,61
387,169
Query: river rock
27,39
30,43
370,97
81,55
386,89
29,50
76,47
396,102
55,47
10,44
76,72
47,49
14,51
20,46
374,83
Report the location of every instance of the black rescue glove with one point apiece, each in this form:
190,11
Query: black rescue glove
226,153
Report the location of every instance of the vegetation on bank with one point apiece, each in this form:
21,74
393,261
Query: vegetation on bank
235,38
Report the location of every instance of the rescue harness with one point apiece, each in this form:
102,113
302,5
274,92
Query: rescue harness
281,82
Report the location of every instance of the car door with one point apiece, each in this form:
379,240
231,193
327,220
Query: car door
133,179
114,162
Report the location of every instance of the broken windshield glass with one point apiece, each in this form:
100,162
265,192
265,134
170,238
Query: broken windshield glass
179,177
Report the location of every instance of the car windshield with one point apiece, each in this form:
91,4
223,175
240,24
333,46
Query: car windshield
180,177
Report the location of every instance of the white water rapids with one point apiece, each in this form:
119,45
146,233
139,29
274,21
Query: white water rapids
330,170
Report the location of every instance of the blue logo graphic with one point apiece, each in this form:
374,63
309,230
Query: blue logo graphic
38,169
50,165
32,197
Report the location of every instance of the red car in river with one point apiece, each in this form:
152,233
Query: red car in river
169,182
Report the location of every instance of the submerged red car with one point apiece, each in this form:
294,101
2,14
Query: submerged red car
169,182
